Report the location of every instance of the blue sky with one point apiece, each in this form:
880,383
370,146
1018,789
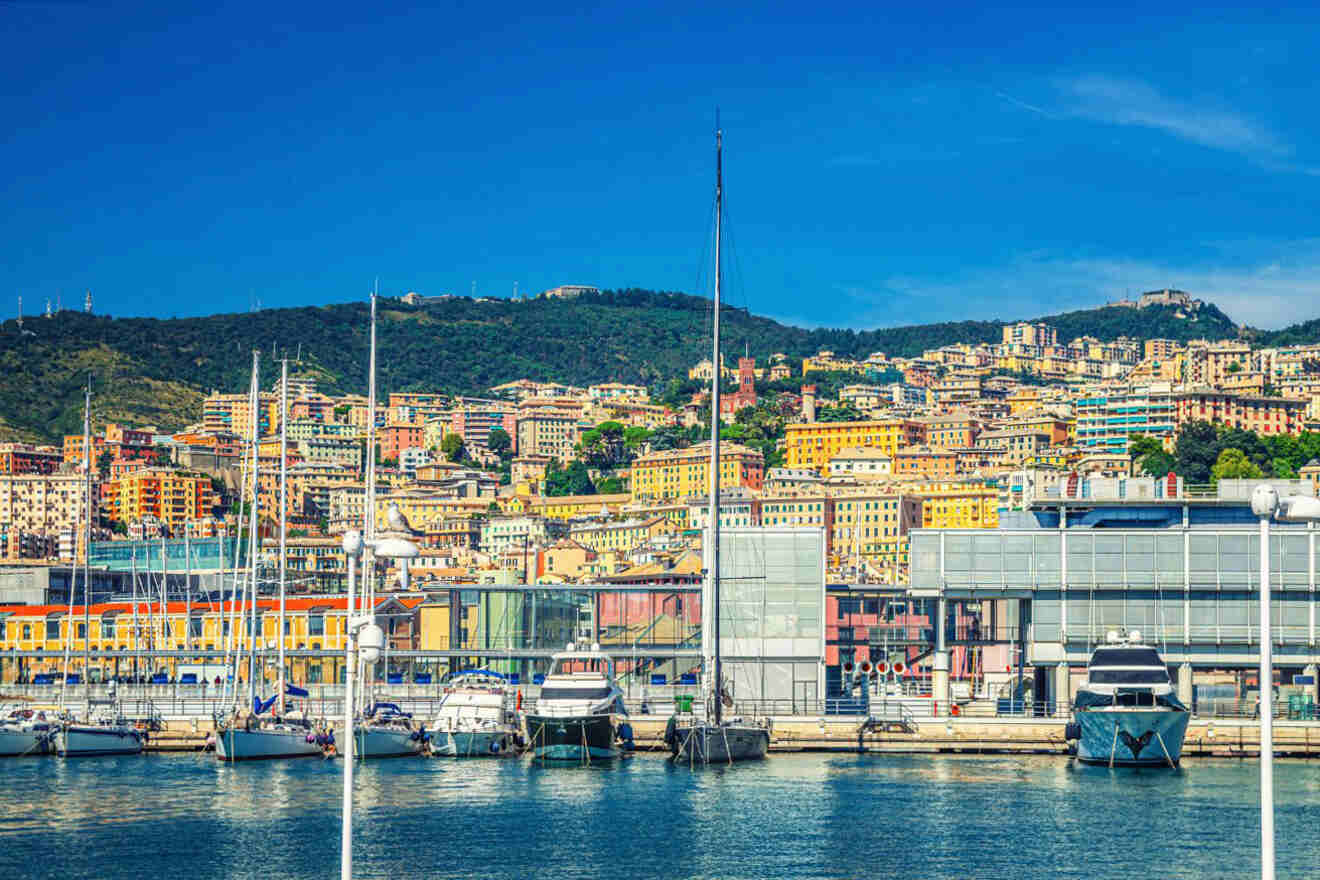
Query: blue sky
884,166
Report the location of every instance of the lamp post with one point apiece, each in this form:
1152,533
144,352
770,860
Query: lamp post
372,638
1265,503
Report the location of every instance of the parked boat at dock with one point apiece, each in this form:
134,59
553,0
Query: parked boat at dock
104,731
25,731
574,718
386,731
475,718
1126,713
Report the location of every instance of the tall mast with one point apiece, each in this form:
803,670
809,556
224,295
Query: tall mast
715,426
253,543
367,595
284,519
87,536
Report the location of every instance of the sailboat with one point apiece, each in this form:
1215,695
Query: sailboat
263,729
716,738
102,730
380,729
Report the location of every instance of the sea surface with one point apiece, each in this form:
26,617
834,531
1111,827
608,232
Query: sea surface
189,817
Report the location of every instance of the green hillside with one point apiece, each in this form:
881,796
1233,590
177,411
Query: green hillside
150,371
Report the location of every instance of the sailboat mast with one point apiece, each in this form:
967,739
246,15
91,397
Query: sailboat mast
715,428
253,543
87,538
284,519
367,595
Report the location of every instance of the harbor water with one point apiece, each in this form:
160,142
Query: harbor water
189,817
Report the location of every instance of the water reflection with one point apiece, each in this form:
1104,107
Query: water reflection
790,816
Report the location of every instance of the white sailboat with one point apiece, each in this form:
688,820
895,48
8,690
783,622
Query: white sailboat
102,729
250,733
716,738
380,729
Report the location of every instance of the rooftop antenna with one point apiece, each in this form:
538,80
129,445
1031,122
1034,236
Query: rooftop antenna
87,303
48,311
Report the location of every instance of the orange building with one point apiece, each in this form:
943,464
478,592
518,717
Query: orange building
22,458
926,461
173,497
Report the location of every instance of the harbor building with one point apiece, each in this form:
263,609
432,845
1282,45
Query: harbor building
1097,555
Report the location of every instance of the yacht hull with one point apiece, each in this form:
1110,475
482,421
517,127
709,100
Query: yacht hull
82,741
1131,737
16,743
578,738
379,742
472,743
720,744
233,744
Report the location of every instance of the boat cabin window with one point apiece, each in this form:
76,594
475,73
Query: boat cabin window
586,663
1129,676
575,693
1126,657
1134,698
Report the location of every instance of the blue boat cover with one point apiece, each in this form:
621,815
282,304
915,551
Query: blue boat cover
188,678
658,679
294,691
688,678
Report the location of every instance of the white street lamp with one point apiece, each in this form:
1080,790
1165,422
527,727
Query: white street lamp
372,639
1265,502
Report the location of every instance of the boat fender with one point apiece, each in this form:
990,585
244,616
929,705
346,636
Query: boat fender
495,748
310,738
625,732
671,733
330,737
1072,730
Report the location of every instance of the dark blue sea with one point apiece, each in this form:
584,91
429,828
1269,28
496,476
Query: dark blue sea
188,817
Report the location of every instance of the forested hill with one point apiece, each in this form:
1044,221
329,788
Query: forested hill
150,371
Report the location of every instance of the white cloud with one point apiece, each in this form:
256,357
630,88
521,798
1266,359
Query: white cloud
1132,102
1273,292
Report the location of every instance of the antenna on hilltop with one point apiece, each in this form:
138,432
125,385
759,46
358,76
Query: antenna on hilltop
20,311
48,312
515,291
87,303
474,290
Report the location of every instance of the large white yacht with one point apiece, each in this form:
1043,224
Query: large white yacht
1126,713
575,714
476,718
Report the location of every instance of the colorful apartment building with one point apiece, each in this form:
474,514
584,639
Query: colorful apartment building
172,497
44,504
1264,415
24,458
929,462
814,444
683,473
620,536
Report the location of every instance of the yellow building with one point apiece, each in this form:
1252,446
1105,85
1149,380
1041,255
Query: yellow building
683,473
620,536
874,528
566,506
957,505
423,507
813,444
122,629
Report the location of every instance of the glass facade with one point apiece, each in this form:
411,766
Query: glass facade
202,554
1192,590
772,609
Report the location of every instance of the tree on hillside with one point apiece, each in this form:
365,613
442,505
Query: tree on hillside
1149,456
845,413
1233,464
573,480
499,442
453,448
103,464
1195,452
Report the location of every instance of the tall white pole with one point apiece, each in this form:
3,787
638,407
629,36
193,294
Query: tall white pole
714,475
284,513
346,830
1266,711
254,542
